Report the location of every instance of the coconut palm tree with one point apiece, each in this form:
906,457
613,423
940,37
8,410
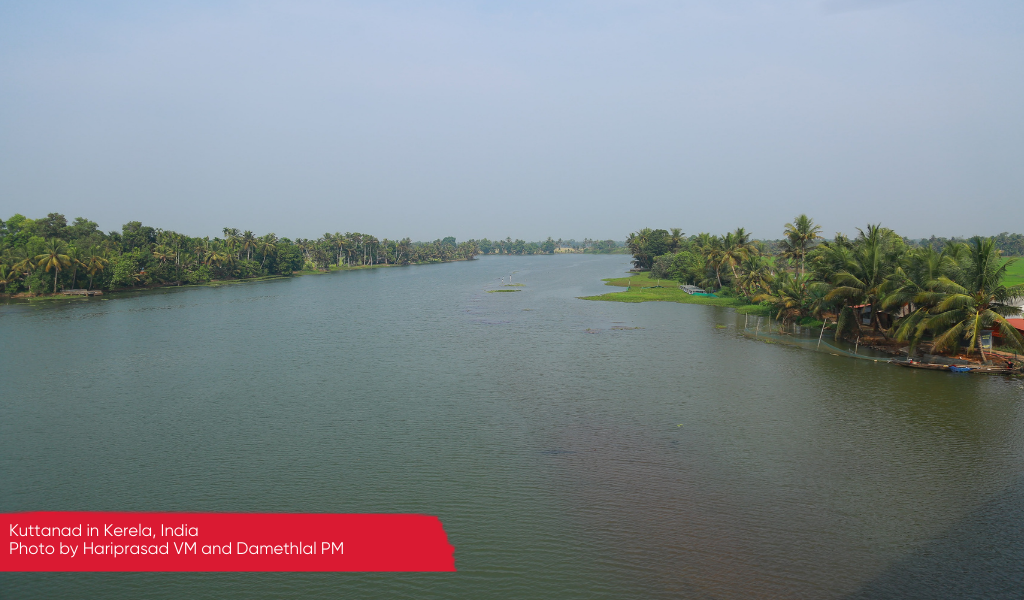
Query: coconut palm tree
638,246
913,287
755,275
163,254
216,256
870,265
800,236
7,276
266,245
675,239
76,256
403,247
710,247
973,300
340,244
247,243
96,261
736,247
54,257
25,266
789,296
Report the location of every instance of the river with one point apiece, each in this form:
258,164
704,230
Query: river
572,449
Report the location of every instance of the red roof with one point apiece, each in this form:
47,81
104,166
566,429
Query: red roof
1016,323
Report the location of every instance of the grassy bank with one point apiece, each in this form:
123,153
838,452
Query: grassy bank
1015,274
641,288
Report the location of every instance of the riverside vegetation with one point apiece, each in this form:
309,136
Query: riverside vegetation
39,256
934,295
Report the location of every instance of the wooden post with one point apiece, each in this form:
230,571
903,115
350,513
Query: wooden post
857,345
822,334
756,327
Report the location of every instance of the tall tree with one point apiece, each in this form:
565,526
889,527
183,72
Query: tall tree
76,257
96,262
7,276
247,243
54,256
800,237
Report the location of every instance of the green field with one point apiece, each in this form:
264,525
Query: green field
644,289
1015,274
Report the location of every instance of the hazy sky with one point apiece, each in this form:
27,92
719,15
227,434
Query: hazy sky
522,119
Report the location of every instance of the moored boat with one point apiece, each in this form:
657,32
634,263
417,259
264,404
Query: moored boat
913,364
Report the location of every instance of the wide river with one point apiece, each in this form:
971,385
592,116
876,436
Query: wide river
572,449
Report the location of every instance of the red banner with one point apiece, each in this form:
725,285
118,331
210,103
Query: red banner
125,541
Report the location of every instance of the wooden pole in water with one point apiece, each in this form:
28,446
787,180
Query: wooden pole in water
857,345
822,334
745,317
756,326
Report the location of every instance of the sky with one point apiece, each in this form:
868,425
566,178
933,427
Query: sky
521,119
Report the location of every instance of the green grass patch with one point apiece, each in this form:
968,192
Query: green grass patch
1015,274
500,291
641,288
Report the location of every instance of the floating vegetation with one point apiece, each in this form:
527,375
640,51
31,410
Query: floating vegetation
515,285
589,330
717,326
499,291
622,328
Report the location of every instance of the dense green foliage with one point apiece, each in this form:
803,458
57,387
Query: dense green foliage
900,290
1009,244
49,254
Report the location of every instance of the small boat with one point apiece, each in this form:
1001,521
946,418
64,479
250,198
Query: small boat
953,368
993,370
913,364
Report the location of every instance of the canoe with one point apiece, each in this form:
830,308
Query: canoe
919,365
953,368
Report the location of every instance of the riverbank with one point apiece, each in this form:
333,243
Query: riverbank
640,287
213,283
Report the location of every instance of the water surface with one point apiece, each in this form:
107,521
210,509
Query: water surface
572,449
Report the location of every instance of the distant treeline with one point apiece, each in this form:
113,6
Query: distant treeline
1009,244
548,246
50,254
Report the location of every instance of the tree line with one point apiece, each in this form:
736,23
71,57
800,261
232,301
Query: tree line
49,254
904,291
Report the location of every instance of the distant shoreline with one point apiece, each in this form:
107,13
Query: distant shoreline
121,292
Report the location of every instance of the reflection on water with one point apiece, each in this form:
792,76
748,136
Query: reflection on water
572,449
